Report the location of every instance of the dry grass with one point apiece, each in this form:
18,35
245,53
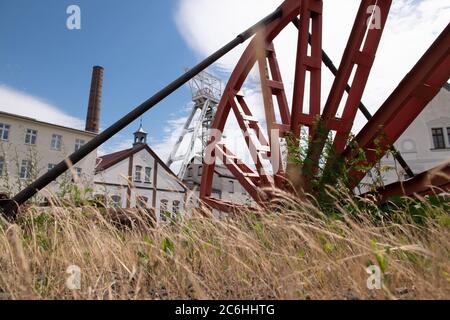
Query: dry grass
297,253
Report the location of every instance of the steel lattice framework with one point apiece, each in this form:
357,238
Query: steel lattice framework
411,96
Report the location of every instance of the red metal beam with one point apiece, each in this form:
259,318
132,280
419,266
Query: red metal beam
407,101
434,181
289,9
367,37
363,60
310,16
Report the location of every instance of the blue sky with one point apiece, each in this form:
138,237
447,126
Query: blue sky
137,42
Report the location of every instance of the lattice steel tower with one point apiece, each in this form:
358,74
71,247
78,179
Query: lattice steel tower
206,93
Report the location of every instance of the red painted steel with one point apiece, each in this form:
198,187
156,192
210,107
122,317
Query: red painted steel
361,36
396,114
231,101
433,181
310,16
407,101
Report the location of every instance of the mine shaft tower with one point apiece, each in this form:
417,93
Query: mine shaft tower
206,92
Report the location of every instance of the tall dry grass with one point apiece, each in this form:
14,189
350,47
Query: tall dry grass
291,251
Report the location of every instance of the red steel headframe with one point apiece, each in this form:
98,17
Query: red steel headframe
407,101
412,95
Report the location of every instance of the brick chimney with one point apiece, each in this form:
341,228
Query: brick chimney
95,97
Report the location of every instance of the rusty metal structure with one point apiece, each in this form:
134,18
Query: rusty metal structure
411,96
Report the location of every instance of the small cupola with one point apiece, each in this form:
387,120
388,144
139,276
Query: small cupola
140,136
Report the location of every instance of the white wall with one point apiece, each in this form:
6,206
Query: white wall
15,150
113,181
416,143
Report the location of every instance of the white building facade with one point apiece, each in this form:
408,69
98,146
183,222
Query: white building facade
29,148
137,177
426,142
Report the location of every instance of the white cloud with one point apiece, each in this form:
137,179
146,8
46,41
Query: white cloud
24,104
413,25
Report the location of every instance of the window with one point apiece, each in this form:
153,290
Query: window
56,142
231,186
2,165
30,137
4,131
200,171
25,169
51,166
176,207
79,143
137,173
163,210
148,175
438,138
100,200
190,172
141,202
116,201
448,135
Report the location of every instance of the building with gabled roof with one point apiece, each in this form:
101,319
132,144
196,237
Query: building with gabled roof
137,177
